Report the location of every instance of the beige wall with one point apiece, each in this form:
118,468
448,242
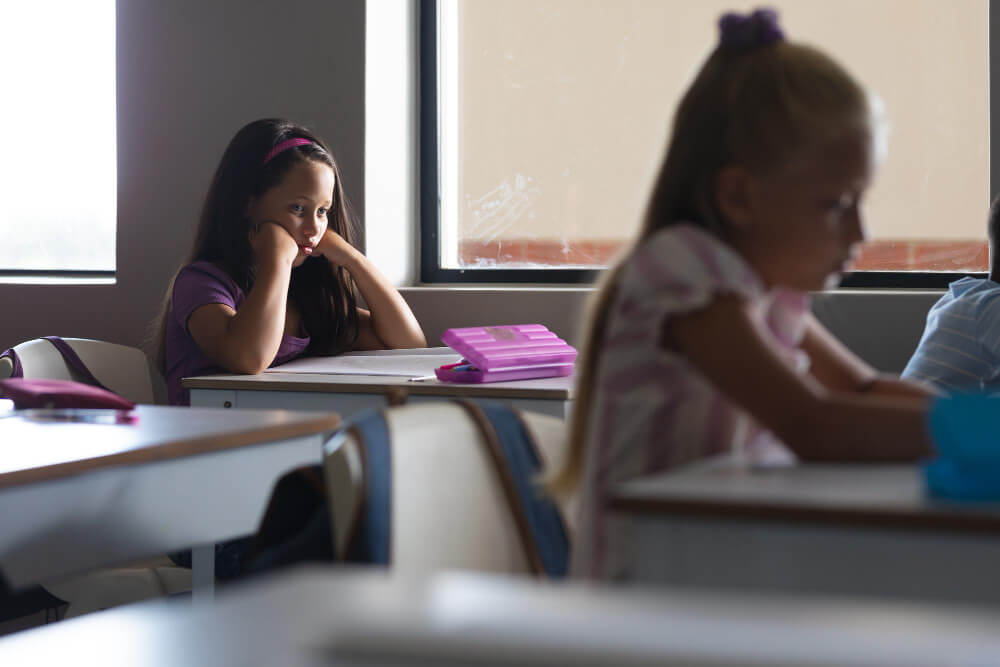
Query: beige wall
565,106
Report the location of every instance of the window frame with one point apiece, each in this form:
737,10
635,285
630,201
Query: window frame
82,274
431,270
77,276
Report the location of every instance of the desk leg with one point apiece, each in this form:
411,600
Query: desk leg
203,573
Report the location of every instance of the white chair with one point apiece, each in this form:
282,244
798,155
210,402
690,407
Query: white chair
128,372
124,370
448,509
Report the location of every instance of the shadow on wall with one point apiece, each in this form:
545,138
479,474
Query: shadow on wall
883,328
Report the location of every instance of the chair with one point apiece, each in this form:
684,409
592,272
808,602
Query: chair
124,370
448,508
128,372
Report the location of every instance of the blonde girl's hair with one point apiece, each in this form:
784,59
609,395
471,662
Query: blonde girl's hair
757,106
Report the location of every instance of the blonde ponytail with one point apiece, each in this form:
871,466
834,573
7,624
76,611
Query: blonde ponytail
564,481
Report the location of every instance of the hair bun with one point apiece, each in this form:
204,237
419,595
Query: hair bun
739,32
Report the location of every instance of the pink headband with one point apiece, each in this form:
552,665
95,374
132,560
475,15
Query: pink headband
285,145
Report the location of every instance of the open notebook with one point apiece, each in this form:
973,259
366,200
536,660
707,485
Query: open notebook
397,363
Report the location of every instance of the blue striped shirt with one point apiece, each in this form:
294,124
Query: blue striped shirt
960,348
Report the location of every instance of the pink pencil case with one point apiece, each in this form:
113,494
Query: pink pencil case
503,353
46,393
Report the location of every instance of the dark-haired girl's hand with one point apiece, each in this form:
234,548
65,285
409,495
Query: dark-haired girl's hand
271,241
388,322
336,249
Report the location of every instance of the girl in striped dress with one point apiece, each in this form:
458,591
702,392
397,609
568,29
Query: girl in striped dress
701,340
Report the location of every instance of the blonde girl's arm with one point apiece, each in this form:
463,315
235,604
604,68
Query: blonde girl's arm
839,369
388,323
727,343
246,341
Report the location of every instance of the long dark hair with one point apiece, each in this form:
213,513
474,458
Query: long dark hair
757,108
326,296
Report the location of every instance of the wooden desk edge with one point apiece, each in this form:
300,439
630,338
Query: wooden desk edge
938,519
495,390
170,450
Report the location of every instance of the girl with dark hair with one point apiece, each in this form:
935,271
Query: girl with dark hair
274,273
701,341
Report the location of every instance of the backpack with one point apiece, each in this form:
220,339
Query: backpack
50,393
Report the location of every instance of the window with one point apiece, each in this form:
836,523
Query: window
58,179
543,122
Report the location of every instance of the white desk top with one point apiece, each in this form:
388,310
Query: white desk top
558,388
320,616
852,494
39,448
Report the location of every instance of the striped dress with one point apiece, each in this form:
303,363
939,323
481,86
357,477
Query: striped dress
652,409
960,348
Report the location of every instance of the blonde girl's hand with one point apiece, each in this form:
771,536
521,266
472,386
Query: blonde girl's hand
272,241
336,249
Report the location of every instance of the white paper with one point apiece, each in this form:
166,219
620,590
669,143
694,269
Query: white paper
417,351
416,364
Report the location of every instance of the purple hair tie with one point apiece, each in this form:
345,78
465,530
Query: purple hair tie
749,31
285,145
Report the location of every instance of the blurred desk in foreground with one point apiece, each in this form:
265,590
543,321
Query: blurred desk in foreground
320,616
97,491
855,529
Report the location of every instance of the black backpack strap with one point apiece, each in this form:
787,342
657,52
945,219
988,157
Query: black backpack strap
74,361
295,527
517,464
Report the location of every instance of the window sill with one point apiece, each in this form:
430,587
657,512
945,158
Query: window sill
68,279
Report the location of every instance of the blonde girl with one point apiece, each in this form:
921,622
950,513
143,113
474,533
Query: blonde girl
701,339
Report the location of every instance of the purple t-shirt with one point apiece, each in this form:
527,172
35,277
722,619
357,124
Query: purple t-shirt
199,284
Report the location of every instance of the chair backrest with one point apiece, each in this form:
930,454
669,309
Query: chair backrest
122,369
448,508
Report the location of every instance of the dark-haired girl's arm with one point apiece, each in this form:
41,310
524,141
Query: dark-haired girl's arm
388,323
246,341
728,344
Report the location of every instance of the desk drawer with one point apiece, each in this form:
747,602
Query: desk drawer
213,398
346,405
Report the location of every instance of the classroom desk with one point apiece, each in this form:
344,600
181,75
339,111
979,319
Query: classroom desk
319,616
349,395
76,496
860,529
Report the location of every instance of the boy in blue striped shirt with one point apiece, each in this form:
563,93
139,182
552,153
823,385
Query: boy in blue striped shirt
960,348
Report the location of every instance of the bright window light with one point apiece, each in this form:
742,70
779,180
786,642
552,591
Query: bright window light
58,180
553,116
